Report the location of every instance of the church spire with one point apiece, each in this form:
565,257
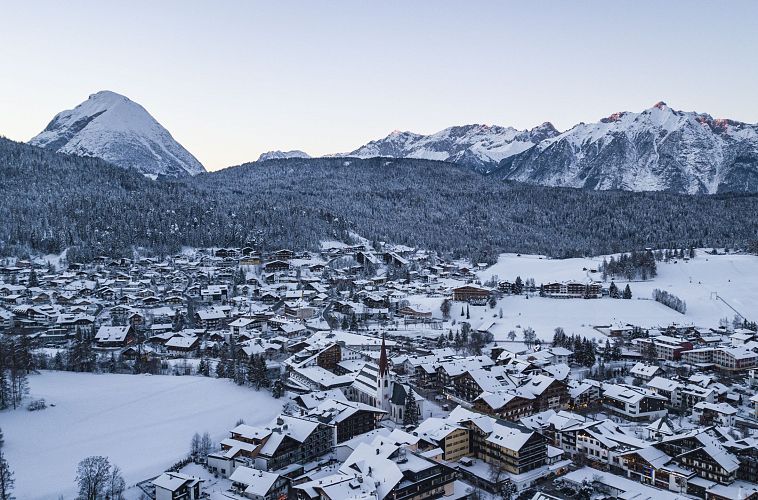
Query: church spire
383,363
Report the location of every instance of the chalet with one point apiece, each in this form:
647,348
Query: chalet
114,336
633,403
507,405
287,440
571,290
651,466
666,347
250,260
242,326
214,293
722,414
182,344
701,452
283,255
411,312
471,293
177,486
259,484
513,448
452,439
645,372
276,266
213,318
348,418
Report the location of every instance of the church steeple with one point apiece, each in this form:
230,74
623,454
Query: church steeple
383,386
383,363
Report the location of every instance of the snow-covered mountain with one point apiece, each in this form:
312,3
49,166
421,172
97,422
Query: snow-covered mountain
659,149
281,155
116,129
480,147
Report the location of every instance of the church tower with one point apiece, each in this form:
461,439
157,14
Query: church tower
383,385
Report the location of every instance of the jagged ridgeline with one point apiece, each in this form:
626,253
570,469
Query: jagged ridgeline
51,201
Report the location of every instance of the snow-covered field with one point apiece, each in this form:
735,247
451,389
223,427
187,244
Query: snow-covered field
698,282
143,423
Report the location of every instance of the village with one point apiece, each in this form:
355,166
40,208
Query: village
403,375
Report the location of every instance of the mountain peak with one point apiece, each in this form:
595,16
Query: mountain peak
110,126
281,155
108,94
657,149
478,146
660,105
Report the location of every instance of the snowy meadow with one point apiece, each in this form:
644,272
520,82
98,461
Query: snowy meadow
142,423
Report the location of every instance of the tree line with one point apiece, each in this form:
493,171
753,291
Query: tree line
670,300
583,348
634,265
53,202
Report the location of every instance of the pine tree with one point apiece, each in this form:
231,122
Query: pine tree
445,308
220,371
410,411
263,372
468,312
613,290
518,286
252,373
277,391
559,337
627,292
240,374
5,384
6,479
33,280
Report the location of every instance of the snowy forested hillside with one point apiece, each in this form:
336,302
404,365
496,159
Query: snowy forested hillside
56,201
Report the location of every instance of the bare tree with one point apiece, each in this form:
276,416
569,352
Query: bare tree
206,445
116,484
195,446
92,476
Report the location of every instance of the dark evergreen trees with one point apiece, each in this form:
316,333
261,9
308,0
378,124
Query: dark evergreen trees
324,197
613,290
410,410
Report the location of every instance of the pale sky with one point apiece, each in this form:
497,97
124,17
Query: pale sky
232,79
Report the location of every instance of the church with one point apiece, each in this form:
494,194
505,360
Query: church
375,386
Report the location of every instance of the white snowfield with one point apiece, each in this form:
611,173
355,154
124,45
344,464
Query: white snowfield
143,423
709,284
